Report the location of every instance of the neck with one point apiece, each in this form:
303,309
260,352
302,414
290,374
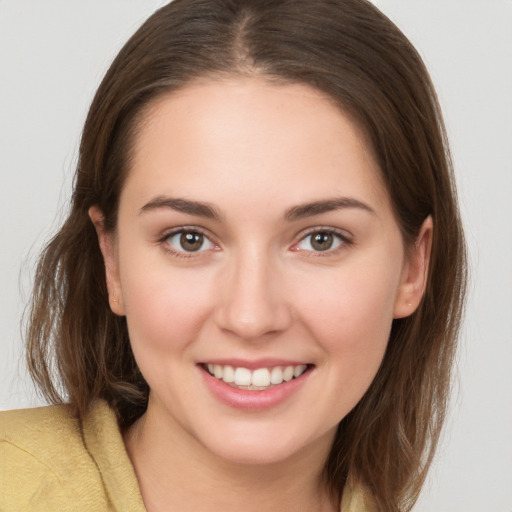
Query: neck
176,472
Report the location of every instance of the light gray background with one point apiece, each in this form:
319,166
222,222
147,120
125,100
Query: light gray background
53,54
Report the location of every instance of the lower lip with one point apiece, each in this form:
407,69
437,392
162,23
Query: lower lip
255,400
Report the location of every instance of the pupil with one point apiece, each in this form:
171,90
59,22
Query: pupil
191,241
322,241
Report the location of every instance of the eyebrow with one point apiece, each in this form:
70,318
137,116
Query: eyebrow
295,213
197,208
328,205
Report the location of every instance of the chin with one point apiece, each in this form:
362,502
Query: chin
256,453
258,445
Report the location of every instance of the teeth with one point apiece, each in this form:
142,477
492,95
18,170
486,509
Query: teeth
228,374
288,373
243,377
217,371
299,370
276,376
259,378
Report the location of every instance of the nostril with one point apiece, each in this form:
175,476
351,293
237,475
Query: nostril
253,321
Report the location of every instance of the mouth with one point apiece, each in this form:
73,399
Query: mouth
258,379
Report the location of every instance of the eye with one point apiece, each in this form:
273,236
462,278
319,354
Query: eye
321,241
189,241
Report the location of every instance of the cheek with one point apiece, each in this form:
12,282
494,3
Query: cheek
350,316
164,308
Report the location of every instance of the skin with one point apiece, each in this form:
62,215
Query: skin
257,288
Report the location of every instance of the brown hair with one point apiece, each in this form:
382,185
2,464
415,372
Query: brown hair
78,350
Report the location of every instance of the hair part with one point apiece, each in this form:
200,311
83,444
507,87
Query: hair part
79,351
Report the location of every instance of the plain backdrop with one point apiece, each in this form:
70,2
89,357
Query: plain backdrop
53,54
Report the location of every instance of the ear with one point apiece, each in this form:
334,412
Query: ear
108,250
415,272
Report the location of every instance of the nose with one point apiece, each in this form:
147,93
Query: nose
252,302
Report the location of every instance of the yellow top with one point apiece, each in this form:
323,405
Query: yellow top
51,461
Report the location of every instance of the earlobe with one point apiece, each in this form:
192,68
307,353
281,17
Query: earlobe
107,247
414,278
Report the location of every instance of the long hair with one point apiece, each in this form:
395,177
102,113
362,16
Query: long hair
79,351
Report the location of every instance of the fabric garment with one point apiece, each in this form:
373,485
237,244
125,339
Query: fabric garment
51,461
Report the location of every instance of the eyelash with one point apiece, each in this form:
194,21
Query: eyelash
164,241
344,241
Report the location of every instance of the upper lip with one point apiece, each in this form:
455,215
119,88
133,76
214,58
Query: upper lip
255,363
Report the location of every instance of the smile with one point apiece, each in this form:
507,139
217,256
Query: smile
258,379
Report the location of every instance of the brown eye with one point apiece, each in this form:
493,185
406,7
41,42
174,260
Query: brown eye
189,241
322,241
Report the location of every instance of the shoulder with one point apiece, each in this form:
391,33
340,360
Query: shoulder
47,436
44,461
28,426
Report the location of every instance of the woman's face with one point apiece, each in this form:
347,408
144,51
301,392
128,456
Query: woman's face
255,241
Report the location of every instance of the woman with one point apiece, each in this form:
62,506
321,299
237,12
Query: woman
260,280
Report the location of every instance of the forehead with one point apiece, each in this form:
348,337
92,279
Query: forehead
243,135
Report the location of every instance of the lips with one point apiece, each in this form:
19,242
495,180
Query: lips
255,385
